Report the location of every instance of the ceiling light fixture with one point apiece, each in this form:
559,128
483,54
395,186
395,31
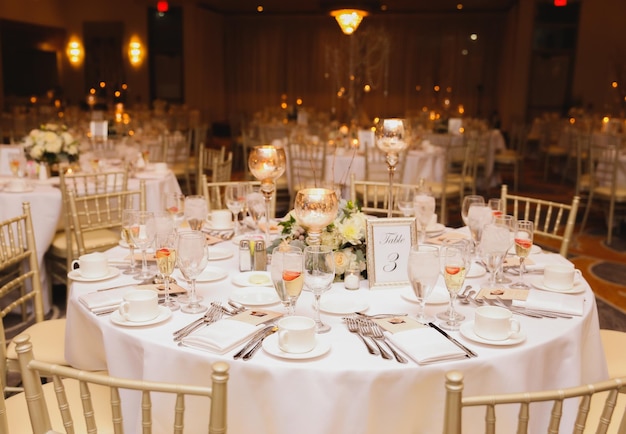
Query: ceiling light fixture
349,14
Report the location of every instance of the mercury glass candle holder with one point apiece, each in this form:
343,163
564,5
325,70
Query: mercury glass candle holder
392,137
267,163
315,209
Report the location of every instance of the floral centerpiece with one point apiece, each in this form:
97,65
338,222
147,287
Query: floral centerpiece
346,235
51,143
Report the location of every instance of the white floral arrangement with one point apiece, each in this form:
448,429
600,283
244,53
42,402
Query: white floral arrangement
51,143
346,235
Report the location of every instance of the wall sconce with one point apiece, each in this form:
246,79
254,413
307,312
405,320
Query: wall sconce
135,52
75,52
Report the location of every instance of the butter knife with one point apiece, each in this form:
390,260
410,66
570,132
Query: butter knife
254,349
469,352
258,335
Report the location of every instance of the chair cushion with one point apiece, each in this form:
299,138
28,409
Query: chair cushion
48,339
100,239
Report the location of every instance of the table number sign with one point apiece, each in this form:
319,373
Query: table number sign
389,241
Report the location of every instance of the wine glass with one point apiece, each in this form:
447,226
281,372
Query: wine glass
508,221
523,243
319,273
281,255
467,202
423,269
256,208
493,246
478,216
196,210
127,221
497,206
235,200
424,205
174,203
192,259
142,233
15,164
404,200
166,261
456,262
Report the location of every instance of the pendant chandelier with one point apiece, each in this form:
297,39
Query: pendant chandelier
349,14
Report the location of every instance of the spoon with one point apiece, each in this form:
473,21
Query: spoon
462,297
472,297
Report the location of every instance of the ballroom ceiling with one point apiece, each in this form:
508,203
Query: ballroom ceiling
286,7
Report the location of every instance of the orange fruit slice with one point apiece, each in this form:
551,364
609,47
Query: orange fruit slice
290,275
161,253
453,270
524,243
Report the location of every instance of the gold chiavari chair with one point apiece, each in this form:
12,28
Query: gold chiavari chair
307,166
215,164
177,152
214,193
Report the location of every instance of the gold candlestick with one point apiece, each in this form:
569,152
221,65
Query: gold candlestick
315,209
392,137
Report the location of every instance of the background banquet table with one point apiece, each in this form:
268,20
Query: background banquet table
345,390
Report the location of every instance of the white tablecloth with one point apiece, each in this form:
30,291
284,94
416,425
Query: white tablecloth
346,390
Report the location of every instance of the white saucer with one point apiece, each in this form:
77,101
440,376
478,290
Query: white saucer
209,225
467,331
270,345
164,313
476,271
537,282
439,295
26,189
76,276
533,250
434,230
209,274
253,278
218,253
342,304
255,296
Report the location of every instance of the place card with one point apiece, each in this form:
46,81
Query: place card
513,261
256,316
211,240
503,293
399,324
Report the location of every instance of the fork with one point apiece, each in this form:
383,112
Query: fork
213,314
366,330
354,328
377,333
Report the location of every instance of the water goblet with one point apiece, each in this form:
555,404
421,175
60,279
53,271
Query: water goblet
166,261
319,273
235,200
523,243
493,246
127,220
256,208
287,275
455,259
142,233
424,206
196,210
508,221
404,200
478,216
423,271
174,204
467,202
192,259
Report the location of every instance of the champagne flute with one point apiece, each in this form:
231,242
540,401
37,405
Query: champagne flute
235,200
192,259
424,206
456,262
127,221
196,210
166,261
508,221
497,206
423,270
174,204
404,200
280,256
493,246
467,202
523,244
142,233
319,273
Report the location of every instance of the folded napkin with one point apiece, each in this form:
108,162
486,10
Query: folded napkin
100,301
221,336
448,236
554,302
426,345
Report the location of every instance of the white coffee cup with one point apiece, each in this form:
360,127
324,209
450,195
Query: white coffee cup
495,323
92,265
221,218
139,305
296,334
560,276
160,167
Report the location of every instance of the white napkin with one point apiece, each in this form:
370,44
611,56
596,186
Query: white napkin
426,345
552,301
221,336
103,300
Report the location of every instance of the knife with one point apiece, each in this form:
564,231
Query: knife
256,346
469,352
258,335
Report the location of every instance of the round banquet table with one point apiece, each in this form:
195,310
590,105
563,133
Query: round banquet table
346,389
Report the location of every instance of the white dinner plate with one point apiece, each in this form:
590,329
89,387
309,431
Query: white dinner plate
270,345
209,274
255,296
476,270
342,304
218,253
76,276
164,313
533,250
467,331
26,189
253,278
209,225
440,295
537,282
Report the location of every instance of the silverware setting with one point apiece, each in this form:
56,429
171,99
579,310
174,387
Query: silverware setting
371,333
212,315
543,313
254,344
353,327
221,234
468,351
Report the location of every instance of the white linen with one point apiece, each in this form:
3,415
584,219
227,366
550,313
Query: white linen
221,336
99,301
426,345
552,301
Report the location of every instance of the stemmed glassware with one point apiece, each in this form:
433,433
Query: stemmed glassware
423,269
493,246
392,137
467,202
319,269
192,259
287,277
196,210
424,209
404,200
142,233
455,259
166,261
478,216
127,221
256,208
175,205
235,200
523,244
497,207
508,221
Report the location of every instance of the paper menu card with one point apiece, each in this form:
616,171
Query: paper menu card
503,293
398,324
256,316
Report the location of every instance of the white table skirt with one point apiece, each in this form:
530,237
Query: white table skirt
346,390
